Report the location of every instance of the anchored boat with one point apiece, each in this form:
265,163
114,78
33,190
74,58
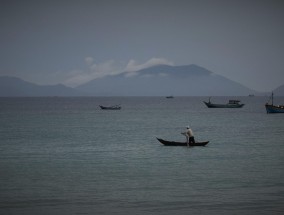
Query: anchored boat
115,107
230,104
271,108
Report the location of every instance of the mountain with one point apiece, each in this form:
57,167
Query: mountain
12,86
279,91
162,80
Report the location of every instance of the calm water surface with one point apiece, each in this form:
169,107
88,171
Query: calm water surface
66,156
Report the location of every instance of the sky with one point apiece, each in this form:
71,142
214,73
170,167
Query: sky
74,41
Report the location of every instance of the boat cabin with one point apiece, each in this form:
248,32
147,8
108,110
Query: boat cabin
234,102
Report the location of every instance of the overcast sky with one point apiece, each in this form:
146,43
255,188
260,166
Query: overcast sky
71,42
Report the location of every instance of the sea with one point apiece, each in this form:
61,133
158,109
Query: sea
63,155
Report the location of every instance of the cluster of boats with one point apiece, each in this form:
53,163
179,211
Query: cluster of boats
270,108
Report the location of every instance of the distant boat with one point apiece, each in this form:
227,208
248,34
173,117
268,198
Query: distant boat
230,104
251,95
271,108
173,143
114,107
169,97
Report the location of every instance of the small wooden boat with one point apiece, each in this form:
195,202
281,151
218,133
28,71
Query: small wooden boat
173,143
271,108
230,104
114,107
169,97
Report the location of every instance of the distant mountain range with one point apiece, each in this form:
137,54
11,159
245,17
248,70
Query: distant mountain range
12,86
161,80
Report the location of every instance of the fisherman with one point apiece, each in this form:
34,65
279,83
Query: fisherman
189,135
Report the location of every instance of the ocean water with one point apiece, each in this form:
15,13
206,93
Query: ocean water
66,156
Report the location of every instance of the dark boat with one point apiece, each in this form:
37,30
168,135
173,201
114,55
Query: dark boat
230,104
169,97
173,143
271,108
115,107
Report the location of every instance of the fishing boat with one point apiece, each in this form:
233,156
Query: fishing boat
114,107
173,143
271,108
230,104
169,97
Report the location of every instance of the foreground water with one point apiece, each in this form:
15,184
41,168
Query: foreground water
66,156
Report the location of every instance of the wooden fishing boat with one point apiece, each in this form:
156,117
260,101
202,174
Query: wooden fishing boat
271,108
230,104
173,143
115,107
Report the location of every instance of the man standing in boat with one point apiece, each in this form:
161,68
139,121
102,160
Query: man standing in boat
189,135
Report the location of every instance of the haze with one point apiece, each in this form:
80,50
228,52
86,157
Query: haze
72,42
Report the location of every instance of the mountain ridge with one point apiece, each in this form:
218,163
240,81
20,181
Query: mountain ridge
13,86
183,70
159,80
279,90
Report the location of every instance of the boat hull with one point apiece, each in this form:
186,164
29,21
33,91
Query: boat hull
110,108
274,109
211,105
173,143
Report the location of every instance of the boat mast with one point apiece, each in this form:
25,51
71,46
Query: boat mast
272,98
